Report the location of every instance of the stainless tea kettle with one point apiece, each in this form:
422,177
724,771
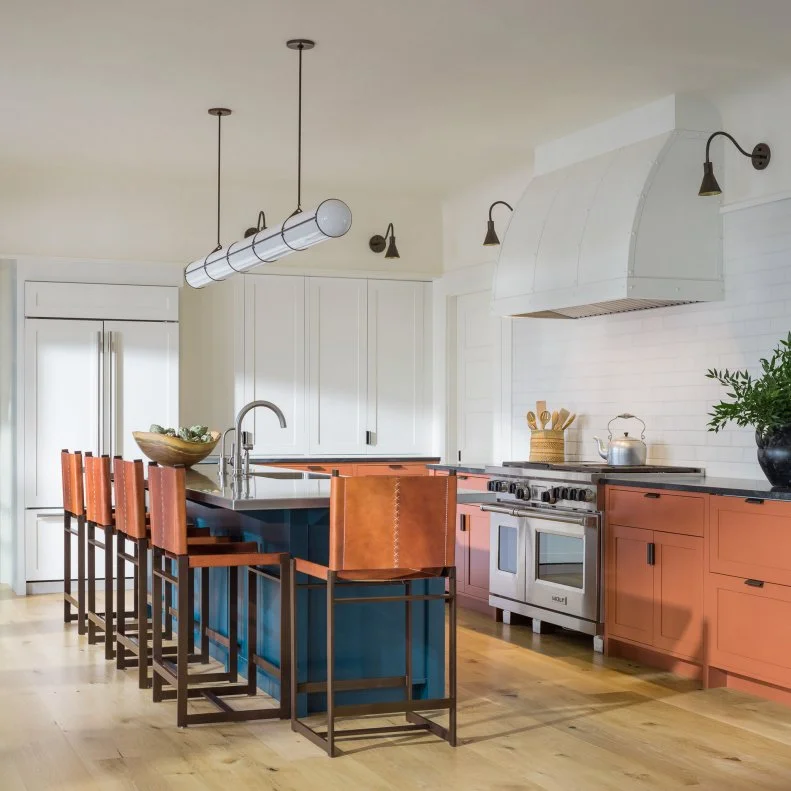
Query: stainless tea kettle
624,451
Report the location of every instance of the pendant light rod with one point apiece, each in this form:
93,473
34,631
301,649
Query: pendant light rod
299,44
220,112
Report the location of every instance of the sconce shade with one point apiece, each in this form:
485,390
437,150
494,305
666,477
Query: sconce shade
709,185
491,239
392,250
330,219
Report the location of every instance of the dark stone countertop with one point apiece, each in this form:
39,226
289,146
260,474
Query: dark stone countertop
470,468
734,487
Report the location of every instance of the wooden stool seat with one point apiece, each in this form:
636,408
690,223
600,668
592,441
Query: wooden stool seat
171,544
385,529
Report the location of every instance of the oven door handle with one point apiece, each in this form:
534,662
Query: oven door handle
583,521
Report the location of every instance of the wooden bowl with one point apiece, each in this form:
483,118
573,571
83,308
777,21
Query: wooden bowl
171,451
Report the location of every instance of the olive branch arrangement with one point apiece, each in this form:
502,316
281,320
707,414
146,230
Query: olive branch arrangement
763,402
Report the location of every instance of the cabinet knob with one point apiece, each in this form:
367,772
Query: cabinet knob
462,523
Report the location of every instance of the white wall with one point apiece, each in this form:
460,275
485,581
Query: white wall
653,363
137,216
756,117
7,418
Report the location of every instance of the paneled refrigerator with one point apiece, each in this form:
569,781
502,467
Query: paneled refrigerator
87,385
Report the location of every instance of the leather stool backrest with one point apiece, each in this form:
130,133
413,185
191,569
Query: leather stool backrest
392,522
167,505
71,475
98,490
130,497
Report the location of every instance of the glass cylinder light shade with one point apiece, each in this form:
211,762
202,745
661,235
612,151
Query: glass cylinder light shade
330,219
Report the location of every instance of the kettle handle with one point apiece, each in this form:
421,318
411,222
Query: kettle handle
626,416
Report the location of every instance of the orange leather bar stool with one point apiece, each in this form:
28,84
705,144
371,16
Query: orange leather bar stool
167,505
73,509
99,509
132,525
383,530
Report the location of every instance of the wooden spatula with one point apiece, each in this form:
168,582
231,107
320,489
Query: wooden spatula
541,407
569,421
564,413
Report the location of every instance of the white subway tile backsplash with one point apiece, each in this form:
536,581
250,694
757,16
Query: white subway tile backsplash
653,363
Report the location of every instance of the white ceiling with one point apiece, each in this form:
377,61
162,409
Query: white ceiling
409,94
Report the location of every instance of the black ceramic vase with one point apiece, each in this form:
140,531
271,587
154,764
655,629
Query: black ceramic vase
774,455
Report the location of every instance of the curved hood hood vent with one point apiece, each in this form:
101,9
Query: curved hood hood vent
623,230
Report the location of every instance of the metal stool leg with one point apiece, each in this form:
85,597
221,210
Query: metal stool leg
233,623
91,551
120,595
204,615
67,617
141,608
331,663
109,610
252,630
156,622
452,664
82,626
185,626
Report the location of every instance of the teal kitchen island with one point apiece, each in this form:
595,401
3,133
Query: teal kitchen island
288,511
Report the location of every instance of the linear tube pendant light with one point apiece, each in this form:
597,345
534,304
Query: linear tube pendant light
302,229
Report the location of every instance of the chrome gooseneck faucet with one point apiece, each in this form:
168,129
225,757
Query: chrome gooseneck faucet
238,471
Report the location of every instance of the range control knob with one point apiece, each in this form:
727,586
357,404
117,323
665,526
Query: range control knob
546,496
491,486
564,493
573,494
584,495
512,488
520,493
503,486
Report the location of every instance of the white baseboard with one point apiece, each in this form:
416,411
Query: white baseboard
56,586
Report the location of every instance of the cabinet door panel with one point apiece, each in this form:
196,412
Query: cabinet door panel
670,512
476,570
678,595
44,546
142,380
337,319
61,406
751,539
275,361
629,584
396,387
749,631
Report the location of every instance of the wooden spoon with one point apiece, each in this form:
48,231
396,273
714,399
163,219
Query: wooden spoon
555,421
544,417
531,421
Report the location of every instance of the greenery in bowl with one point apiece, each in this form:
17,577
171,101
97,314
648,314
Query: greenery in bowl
763,402
187,433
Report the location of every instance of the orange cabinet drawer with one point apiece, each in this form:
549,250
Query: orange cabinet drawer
654,509
476,483
749,630
750,539
396,468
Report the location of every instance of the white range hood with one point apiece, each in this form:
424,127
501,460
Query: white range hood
612,221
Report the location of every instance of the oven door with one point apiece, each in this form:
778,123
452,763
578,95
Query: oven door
563,564
507,545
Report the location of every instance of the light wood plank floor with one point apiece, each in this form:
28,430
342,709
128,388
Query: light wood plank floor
537,712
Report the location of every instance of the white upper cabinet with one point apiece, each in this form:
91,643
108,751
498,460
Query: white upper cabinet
275,361
62,387
397,419
101,301
142,381
337,357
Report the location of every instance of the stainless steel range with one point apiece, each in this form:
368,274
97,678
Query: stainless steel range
546,540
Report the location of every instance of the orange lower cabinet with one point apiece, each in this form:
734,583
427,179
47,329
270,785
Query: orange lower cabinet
476,559
749,632
476,483
629,584
678,595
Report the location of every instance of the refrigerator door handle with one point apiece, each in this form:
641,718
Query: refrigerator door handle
113,394
100,439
